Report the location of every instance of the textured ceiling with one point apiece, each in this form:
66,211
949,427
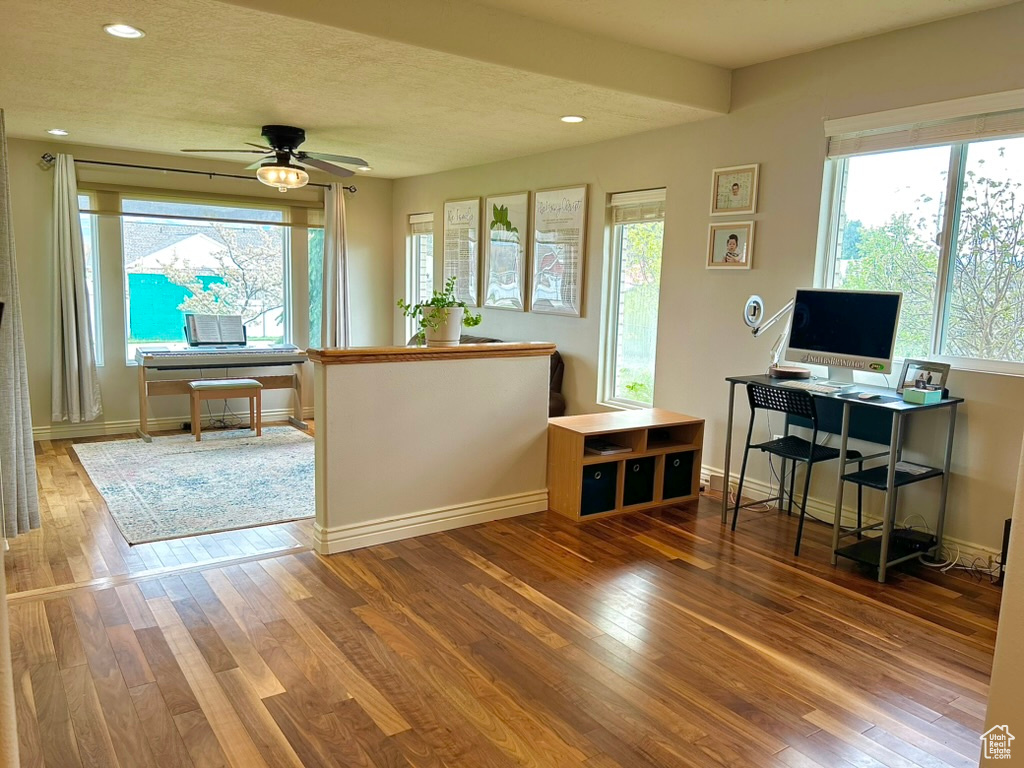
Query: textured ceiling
413,86
738,33
208,74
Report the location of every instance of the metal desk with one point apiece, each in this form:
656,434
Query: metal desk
890,408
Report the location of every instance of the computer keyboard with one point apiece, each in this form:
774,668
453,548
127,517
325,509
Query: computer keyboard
810,386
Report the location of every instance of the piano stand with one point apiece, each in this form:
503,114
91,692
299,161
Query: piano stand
159,387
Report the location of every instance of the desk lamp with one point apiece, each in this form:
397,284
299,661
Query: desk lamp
753,316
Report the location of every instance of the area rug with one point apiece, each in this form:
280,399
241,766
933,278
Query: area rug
175,487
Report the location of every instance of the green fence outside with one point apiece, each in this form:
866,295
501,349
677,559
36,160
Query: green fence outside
153,302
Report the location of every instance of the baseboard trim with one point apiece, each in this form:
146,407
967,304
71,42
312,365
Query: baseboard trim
129,426
342,538
826,511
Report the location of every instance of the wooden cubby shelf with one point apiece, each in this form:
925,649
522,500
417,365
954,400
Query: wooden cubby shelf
660,466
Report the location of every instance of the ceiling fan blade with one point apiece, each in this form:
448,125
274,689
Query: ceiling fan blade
258,146
358,161
336,170
253,151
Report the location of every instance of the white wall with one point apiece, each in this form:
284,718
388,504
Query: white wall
776,120
1004,703
407,447
370,248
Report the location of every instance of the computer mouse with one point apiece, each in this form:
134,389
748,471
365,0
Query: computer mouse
868,396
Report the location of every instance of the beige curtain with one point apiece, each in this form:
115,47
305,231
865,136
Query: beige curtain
8,726
76,387
17,454
334,330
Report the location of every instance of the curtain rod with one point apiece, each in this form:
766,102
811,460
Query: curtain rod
49,159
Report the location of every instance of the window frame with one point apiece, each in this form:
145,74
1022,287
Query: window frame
96,307
413,286
836,174
221,202
610,307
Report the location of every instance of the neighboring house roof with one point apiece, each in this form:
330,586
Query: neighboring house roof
143,237
197,253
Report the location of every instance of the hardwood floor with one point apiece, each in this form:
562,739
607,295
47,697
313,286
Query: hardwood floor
647,640
79,543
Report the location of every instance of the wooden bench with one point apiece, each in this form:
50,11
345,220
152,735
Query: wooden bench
222,389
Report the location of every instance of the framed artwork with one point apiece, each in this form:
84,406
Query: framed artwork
923,372
462,248
734,190
505,232
559,241
731,245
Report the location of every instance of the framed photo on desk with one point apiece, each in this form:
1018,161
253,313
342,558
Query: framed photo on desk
923,371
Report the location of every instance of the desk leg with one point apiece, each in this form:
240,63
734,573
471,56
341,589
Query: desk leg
296,419
837,524
945,481
728,454
143,430
890,495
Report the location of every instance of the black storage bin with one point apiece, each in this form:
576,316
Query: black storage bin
598,488
678,475
638,484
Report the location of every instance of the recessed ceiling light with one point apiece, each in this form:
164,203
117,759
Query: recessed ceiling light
57,132
126,31
364,168
573,118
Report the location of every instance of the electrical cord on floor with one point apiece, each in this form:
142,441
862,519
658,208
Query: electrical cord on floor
228,419
976,567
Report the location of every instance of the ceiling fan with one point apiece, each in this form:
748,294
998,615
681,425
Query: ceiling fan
279,167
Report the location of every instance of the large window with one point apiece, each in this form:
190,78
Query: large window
945,225
202,257
315,252
90,244
631,309
420,268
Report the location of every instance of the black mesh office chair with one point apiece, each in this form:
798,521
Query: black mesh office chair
794,403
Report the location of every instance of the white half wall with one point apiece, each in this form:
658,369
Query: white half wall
405,448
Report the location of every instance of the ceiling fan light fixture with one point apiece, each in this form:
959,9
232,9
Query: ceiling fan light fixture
284,177
364,168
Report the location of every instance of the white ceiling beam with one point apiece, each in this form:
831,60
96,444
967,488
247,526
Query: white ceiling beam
463,28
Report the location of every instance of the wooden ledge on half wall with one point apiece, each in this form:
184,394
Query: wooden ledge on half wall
352,355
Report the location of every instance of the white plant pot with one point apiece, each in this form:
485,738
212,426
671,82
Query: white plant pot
448,332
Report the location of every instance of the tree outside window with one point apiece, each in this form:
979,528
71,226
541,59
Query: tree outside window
183,257
893,236
638,247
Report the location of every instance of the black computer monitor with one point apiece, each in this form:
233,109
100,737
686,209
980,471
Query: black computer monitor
844,329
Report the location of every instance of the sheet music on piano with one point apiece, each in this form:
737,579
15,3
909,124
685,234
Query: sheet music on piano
214,329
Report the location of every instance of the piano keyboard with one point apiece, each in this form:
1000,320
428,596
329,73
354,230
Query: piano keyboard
238,357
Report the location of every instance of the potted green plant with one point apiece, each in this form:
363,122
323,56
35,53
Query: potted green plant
442,317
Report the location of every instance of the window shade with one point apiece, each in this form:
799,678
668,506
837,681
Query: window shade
926,133
645,205
421,223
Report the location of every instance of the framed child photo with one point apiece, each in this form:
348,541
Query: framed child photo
734,190
730,245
